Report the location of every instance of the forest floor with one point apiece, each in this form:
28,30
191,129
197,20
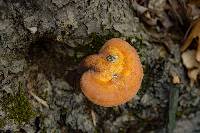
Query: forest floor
42,43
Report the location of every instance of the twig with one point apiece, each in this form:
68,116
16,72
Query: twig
41,101
93,118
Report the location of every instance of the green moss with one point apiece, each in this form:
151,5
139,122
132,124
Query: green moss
44,130
97,130
2,123
122,130
17,107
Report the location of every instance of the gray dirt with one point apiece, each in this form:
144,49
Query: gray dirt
41,44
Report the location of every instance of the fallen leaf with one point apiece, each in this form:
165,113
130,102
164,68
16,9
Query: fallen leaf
194,2
192,65
193,11
198,51
193,74
195,32
189,60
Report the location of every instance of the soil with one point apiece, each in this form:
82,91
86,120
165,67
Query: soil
42,43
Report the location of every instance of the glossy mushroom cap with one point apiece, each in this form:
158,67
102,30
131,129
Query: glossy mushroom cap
113,76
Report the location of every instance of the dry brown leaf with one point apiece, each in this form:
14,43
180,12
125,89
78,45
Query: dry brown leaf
193,74
195,32
139,9
198,51
194,2
189,60
192,65
193,11
159,7
153,12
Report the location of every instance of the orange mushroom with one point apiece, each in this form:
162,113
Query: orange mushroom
113,76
